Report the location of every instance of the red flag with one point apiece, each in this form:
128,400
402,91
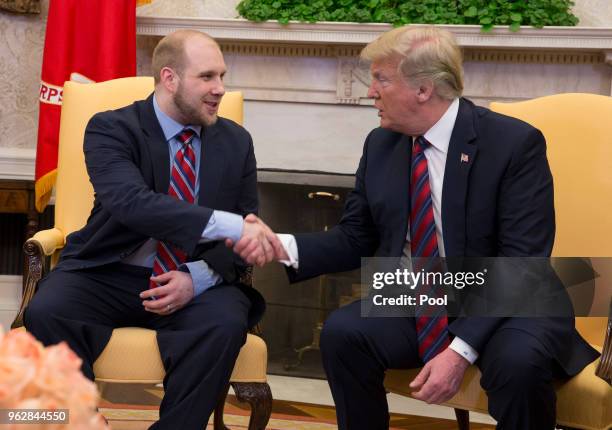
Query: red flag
94,40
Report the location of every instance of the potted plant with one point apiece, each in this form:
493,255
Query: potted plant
487,13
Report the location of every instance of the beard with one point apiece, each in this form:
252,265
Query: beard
190,112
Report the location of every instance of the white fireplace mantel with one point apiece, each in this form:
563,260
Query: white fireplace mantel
470,36
306,90
303,84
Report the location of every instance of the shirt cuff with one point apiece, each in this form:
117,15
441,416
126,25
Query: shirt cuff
290,245
462,348
202,275
223,225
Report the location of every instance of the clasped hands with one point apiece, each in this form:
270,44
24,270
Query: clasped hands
440,378
258,244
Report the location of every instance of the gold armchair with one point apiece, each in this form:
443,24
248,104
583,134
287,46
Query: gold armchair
122,359
578,131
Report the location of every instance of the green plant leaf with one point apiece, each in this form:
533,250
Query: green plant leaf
471,11
400,12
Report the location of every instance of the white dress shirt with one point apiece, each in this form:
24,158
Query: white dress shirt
439,137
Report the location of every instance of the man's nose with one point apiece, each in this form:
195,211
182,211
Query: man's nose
372,92
219,88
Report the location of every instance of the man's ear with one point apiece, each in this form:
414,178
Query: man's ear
425,90
169,79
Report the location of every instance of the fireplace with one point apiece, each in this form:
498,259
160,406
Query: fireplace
295,313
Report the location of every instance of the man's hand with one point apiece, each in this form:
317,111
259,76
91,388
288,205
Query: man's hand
440,378
174,292
258,244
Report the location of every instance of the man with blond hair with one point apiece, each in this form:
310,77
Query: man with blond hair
172,181
441,177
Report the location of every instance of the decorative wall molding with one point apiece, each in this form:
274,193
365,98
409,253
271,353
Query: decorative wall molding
295,94
17,163
288,50
532,55
353,80
596,39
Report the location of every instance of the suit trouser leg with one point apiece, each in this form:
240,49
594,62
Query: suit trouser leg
199,345
517,373
356,352
82,307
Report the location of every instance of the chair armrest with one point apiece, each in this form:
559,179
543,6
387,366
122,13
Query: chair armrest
42,244
604,368
48,240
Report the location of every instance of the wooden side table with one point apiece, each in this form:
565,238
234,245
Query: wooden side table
17,196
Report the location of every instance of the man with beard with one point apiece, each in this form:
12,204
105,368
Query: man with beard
171,182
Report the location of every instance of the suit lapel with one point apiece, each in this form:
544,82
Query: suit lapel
212,162
401,189
460,158
212,157
156,142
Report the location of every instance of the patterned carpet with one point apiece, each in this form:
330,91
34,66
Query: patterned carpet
135,407
121,419
143,402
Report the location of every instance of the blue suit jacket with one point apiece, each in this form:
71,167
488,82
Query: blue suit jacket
128,163
499,203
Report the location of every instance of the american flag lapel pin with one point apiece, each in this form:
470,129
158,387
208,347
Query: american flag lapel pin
465,158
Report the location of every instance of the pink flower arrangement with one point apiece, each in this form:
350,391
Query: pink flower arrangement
35,377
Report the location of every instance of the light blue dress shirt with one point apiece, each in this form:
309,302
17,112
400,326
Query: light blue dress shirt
221,225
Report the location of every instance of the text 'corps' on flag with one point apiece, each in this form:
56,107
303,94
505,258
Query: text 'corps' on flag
90,40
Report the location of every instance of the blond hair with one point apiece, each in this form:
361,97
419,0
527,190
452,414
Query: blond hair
424,53
170,51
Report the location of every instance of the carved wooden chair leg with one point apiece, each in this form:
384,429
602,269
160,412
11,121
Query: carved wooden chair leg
34,269
259,396
463,419
218,417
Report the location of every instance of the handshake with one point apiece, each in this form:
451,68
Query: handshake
258,244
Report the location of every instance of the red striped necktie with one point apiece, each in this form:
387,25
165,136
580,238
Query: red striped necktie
432,331
182,187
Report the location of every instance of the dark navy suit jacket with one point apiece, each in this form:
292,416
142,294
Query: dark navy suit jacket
128,163
498,203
